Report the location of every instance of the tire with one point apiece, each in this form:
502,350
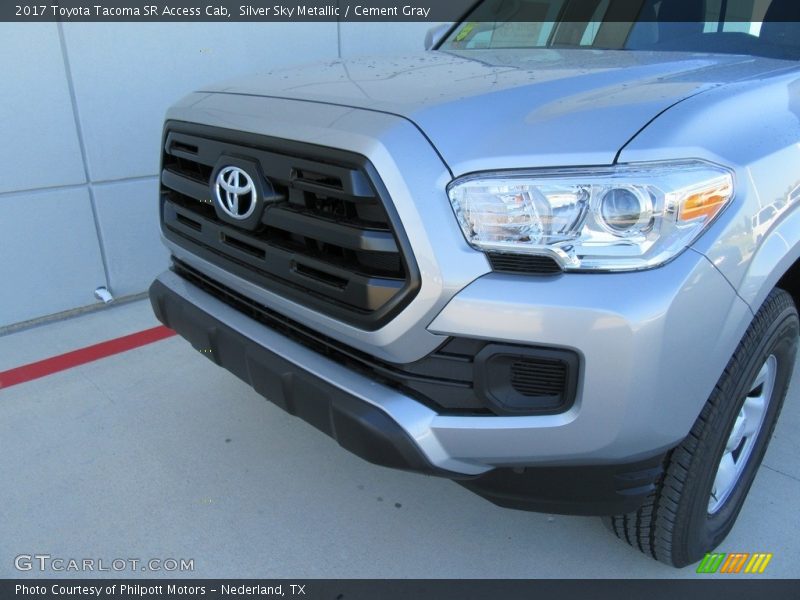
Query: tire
681,520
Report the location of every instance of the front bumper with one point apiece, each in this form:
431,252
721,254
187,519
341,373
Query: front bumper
378,423
652,345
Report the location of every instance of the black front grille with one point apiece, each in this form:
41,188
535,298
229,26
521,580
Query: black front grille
328,239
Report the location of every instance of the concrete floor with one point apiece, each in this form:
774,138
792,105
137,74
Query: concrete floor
157,453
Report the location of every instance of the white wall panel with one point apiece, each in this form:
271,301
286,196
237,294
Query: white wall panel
127,213
127,74
39,144
50,256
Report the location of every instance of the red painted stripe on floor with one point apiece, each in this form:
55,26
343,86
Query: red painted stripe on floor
62,362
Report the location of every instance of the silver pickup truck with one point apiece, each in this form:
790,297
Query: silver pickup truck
554,258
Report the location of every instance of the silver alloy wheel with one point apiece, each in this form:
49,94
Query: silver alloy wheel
743,435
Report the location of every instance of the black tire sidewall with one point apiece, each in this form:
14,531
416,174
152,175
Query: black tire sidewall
707,531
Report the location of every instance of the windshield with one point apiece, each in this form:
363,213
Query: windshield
756,27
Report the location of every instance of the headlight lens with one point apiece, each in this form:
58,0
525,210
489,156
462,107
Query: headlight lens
620,218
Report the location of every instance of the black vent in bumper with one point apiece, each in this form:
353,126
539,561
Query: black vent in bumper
538,377
523,263
328,239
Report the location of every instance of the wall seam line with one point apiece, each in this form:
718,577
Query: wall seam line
73,186
82,145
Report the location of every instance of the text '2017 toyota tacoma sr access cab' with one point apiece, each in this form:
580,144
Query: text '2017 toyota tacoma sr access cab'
554,258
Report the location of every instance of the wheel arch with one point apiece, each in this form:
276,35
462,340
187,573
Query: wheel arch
776,263
790,281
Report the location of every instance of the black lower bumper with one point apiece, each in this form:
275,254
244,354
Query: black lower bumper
582,490
358,426
370,433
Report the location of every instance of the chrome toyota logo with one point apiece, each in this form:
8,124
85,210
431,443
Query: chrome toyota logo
236,192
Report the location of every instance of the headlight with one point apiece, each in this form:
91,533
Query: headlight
619,218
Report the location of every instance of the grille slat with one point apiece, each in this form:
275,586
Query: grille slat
326,190
332,232
186,186
326,239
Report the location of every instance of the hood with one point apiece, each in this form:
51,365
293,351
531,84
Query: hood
489,109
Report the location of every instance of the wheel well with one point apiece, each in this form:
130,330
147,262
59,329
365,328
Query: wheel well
791,282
